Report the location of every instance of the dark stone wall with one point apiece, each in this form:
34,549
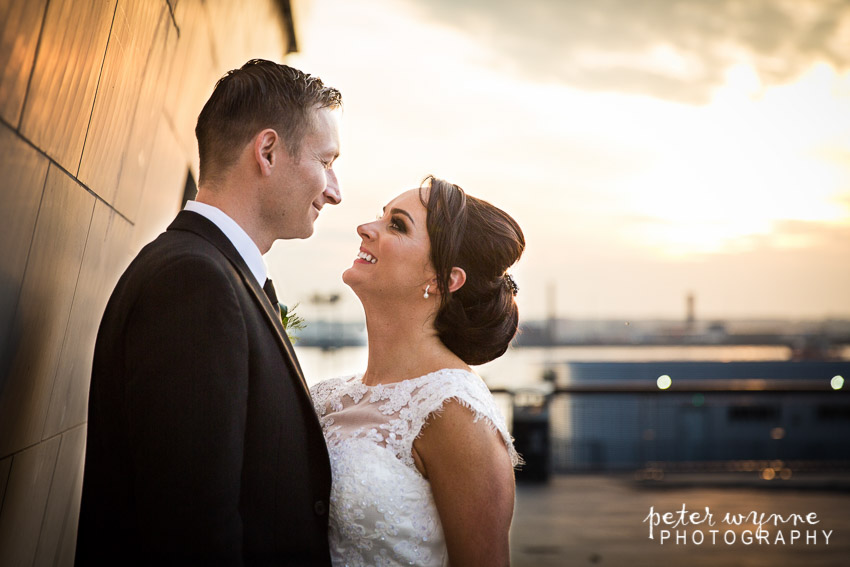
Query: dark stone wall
98,102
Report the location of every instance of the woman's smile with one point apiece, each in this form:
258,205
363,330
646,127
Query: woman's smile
365,257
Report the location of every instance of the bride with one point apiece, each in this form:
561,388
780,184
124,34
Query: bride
421,457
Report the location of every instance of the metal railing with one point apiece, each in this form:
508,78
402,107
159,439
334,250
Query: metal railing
725,425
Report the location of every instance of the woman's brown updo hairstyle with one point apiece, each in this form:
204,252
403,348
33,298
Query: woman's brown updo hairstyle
478,321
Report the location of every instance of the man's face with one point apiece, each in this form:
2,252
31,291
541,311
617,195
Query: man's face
304,185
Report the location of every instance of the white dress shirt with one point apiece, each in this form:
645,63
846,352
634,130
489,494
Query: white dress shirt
237,236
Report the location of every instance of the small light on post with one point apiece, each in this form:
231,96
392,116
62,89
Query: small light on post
663,382
837,382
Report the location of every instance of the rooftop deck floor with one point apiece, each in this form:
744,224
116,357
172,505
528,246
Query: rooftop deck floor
579,520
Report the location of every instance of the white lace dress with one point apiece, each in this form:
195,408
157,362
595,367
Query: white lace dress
382,511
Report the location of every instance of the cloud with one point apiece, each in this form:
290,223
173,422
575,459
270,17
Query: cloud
798,234
677,50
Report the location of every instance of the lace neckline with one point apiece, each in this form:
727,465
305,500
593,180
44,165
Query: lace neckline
357,379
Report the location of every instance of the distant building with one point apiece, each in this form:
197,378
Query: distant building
690,311
626,431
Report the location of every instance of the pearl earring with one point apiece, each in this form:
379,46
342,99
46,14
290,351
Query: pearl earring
427,287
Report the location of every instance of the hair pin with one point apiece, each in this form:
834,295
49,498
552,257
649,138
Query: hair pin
511,283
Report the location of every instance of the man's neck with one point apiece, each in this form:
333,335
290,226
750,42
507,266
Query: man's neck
240,210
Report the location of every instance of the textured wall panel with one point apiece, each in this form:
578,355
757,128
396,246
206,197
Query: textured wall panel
23,172
133,30
5,466
239,34
192,76
163,188
24,505
176,16
148,113
20,25
43,309
107,255
58,539
70,55
110,90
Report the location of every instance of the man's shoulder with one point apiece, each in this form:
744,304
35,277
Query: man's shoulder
175,245
174,252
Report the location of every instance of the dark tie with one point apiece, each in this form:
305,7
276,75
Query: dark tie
272,295
269,289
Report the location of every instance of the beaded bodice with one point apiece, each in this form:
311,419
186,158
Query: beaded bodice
382,511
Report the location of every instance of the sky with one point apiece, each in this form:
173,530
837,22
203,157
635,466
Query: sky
649,150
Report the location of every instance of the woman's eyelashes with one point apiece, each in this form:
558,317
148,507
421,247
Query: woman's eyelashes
396,222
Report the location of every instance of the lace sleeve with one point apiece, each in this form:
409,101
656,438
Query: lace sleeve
326,395
467,389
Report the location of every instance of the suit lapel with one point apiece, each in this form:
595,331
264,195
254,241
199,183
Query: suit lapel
200,225
273,317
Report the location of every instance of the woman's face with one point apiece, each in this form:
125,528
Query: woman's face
394,259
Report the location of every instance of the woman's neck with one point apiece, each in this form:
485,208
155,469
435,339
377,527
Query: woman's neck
402,346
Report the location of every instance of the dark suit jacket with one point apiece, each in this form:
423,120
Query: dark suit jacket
203,446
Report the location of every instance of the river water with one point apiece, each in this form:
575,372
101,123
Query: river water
520,367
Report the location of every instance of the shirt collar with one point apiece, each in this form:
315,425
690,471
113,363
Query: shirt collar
237,236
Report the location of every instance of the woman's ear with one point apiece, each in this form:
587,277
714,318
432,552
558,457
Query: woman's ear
456,279
265,144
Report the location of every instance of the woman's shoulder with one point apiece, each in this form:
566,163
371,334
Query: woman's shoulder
454,394
427,393
462,377
459,383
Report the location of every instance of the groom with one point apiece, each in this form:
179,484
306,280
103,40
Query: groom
203,447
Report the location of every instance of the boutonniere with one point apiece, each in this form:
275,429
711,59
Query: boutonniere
292,323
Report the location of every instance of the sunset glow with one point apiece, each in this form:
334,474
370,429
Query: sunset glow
754,159
694,159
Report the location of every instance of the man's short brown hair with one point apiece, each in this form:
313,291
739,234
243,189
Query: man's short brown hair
261,94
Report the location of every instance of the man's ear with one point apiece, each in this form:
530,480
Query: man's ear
456,279
265,144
